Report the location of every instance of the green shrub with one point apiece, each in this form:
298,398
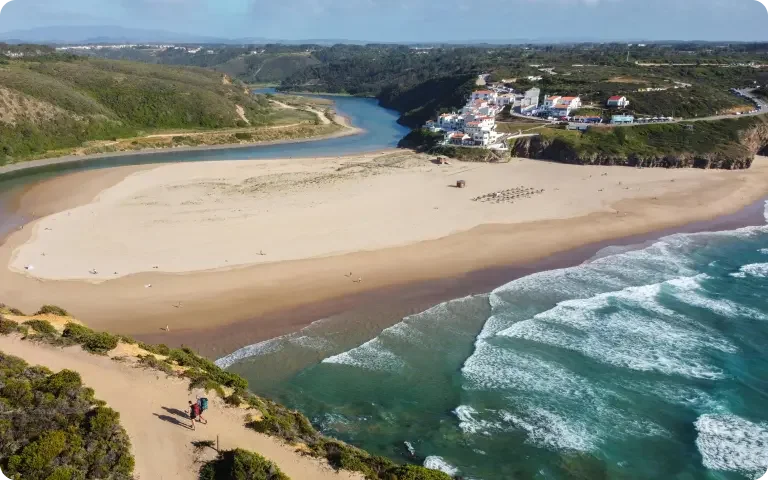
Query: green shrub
241,465
101,342
243,136
234,400
55,429
43,327
127,339
52,310
149,361
157,349
8,327
94,342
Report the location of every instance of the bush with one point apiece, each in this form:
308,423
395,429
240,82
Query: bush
56,430
52,310
149,361
157,349
243,136
43,327
234,400
127,339
8,327
94,342
241,465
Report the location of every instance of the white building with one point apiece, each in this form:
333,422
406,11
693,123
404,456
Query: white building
618,102
485,95
573,102
530,99
551,101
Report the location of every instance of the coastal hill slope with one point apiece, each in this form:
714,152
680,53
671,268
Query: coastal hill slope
53,102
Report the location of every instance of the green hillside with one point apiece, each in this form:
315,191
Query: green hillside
58,102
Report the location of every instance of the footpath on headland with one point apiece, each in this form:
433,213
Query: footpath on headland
152,410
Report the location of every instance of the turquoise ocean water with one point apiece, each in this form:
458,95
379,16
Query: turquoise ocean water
645,363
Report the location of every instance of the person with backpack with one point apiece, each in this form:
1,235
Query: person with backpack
194,412
202,404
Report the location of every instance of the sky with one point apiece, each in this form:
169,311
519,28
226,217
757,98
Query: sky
409,20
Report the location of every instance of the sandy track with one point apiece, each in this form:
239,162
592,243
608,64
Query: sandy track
151,406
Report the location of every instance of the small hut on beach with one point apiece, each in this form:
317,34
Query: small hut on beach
461,184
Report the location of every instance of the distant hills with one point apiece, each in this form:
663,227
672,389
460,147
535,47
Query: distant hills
110,34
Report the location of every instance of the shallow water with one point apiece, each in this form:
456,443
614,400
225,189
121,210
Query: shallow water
640,364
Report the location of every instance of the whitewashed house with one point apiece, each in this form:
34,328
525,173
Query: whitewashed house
573,102
618,101
551,101
485,95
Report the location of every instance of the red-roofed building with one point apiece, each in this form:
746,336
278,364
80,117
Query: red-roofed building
618,101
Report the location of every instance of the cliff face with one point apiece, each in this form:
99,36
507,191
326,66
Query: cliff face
735,155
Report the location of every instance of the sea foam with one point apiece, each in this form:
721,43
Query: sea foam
731,443
627,329
433,462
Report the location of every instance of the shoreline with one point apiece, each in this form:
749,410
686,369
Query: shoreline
387,306
226,309
29,166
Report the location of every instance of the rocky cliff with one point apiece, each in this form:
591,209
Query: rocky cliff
736,150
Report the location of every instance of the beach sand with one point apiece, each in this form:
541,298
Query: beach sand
241,243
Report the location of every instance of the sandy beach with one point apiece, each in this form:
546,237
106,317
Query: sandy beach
199,246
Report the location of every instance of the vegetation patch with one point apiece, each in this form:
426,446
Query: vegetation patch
52,310
241,465
42,327
52,428
94,342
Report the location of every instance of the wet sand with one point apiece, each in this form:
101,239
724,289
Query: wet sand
220,310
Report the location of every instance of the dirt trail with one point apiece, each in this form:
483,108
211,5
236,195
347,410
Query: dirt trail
152,410
320,115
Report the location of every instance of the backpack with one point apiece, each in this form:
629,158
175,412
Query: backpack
203,402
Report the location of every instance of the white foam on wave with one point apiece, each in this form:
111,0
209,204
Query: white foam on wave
372,355
698,297
433,462
755,270
375,354
731,443
655,339
551,430
471,425
303,338
764,251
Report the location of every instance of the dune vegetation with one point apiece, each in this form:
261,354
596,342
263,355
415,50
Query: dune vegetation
53,428
264,415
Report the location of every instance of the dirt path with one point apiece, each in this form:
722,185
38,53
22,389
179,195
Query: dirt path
152,411
320,115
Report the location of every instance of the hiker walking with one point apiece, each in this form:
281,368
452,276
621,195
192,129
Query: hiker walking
202,405
194,412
